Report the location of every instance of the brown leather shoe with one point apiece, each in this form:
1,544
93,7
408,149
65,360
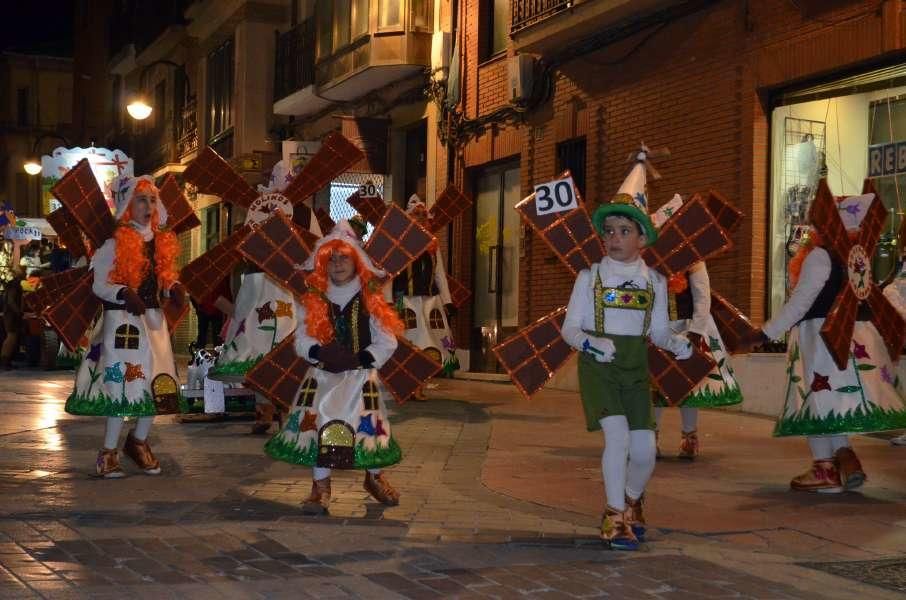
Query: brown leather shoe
140,453
108,464
380,489
823,478
634,517
688,449
318,501
850,468
616,532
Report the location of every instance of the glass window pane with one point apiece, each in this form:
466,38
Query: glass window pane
389,13
359,18
325,29
340,23
500,34
421,13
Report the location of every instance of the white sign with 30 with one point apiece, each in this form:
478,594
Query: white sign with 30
555,196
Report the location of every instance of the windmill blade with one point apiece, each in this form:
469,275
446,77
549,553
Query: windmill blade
837,331
211,174
532,356
202,275
570,234
67,228
733,325
180,214
449,205
324,221
459,293
78,191
406,370
825,218
726,214
52,288
336,155
174,314
397,241
372,208
279,374
691,235
74,313
888,322
278,248
873,223
675,379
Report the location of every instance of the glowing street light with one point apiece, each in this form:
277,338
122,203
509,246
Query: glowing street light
32,166
138,109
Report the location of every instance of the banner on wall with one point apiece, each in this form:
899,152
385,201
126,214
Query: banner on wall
297,153
105,164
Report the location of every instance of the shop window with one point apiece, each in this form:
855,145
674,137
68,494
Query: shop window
571,155
408,316
370,396
494,27
219,87
307,395
126,337
435,319
390,14
211,226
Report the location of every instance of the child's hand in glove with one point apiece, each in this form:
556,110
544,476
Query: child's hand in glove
601,348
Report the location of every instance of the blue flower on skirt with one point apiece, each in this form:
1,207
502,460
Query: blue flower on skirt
114,374
366,426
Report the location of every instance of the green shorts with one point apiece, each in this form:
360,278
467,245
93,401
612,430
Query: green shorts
621,387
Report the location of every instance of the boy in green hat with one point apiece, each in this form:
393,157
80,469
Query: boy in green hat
615,307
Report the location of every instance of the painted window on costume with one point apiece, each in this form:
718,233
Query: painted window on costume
126,337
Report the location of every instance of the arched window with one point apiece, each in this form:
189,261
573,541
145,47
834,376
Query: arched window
409,318
307,395
126,337
435,319
370,395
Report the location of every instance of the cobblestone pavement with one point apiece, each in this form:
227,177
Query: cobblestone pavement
498,502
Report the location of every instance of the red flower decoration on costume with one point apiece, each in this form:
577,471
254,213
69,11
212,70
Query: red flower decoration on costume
134,371
859,351
265,312
820,382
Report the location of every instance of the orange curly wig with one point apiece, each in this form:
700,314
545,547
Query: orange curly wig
131,265
317,319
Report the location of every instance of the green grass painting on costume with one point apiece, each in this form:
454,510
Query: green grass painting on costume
238,367
708,398
102,405
860,420
281,449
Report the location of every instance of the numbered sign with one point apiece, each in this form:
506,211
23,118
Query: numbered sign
555,196
368,190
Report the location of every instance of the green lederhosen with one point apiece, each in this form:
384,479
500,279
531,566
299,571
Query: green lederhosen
622,386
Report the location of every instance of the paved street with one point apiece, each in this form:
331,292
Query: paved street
500,498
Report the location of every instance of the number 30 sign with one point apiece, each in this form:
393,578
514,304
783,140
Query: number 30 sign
555,196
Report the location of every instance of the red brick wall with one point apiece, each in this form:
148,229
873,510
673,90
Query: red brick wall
698,86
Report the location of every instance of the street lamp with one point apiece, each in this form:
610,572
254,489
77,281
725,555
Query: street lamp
139,108
32,164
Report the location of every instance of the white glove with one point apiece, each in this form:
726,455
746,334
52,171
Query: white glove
683,347
600,347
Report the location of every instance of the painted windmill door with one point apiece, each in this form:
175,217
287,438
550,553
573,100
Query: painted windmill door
496,267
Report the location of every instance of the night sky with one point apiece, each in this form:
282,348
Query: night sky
37,27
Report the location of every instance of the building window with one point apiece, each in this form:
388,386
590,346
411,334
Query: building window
219,113
126,337
370,395
409,318
389,14
340,22
22,107
422,14
307,395
495,27
211,226
571,155
435,319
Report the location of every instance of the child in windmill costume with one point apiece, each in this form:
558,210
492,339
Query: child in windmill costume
616,306
347,331
823,402
263,312
421,291
689,305
895,292
130,356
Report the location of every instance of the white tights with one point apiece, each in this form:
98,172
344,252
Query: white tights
627,462
688,414
825,446
115,426
318,473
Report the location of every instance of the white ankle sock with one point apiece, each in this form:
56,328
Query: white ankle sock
319,473
689,416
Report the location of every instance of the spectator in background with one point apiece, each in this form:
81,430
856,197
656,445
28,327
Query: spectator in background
12,318
210,317
60,259
31,262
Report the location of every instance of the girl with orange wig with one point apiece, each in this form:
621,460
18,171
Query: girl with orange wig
130,357
346,331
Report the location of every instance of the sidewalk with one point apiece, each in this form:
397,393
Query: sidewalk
501,498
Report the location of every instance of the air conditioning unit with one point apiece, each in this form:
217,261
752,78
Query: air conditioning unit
520,76
441,50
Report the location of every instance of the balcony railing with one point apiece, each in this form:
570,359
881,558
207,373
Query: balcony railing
295,66
525,13
187,140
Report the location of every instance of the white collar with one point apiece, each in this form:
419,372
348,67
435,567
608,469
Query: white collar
636,268
342,294
145,230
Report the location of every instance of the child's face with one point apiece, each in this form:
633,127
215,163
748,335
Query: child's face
143,206
340,268
623,238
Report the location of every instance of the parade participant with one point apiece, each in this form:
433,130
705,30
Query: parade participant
422,296
823,402
689,306
130,348
615,306
347,332
895,292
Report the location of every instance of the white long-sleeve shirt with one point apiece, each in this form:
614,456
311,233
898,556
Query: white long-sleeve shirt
580,313
440,279
383,343
700,286
816,269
